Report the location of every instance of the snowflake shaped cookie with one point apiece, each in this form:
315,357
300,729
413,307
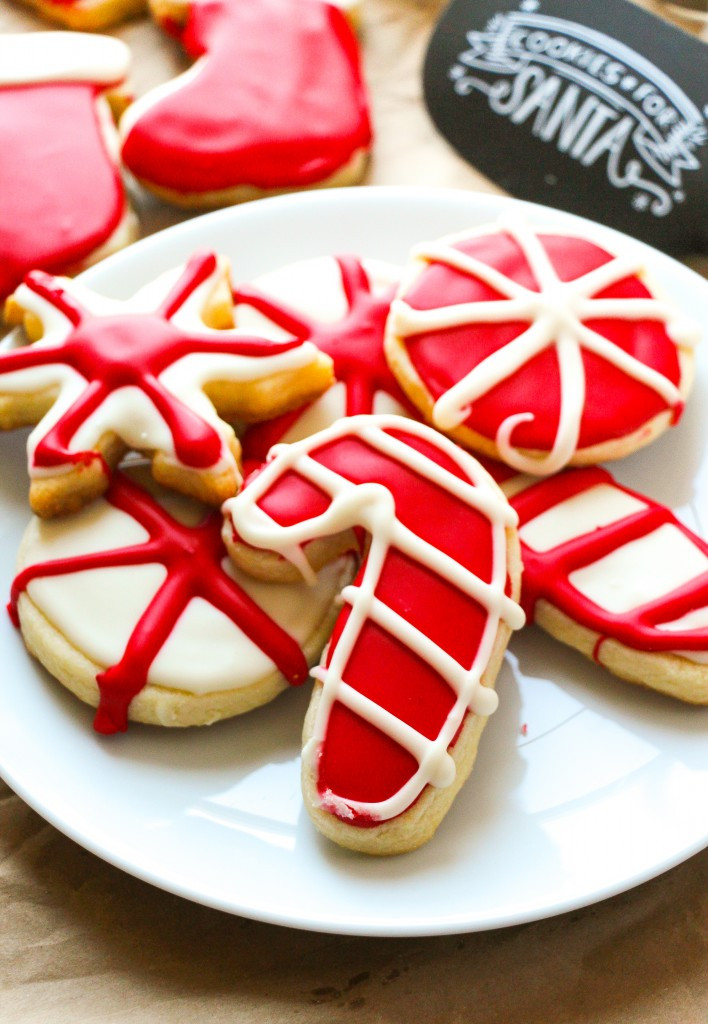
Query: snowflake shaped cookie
539,347
145,375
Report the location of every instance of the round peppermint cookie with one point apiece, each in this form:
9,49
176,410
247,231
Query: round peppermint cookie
133,605
539,347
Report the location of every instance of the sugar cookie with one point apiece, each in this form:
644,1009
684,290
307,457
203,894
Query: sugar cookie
403,694
147,375
62,204
274,102
539,347
133,605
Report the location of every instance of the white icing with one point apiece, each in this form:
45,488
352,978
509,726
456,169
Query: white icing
372,506
598,506
128,412
556,315
641,571
98,609
34,57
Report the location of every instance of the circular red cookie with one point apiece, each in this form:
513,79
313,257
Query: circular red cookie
538,347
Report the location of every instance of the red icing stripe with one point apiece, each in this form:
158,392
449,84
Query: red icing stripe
61,195
546,573
193,559
278,101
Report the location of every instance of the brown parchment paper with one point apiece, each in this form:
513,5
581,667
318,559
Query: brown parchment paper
80,941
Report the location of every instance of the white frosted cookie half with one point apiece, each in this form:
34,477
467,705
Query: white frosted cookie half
134,607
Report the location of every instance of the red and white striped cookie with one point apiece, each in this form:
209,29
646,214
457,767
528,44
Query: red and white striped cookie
133,605
406,685
617,576
539,347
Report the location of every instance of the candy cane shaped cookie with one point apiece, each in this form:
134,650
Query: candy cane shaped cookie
617,576
274,102
403,694
133,605
62,204
538,347
147,375
342,302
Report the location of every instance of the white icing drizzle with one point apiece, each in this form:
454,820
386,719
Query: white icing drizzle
128,411
556,315
372,506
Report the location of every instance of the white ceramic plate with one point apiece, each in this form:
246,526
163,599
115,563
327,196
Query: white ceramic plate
583,787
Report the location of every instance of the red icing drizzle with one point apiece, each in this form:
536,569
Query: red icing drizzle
192,557
131,349
278,100
355,345
357,761
546,573
61,195
615,405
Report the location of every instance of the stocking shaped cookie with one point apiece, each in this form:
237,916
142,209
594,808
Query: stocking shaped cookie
147,375
133,605
617,576
402,696
342,302
539,347
275,101
61,198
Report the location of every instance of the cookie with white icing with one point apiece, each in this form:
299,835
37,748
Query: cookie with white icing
148,375
274,102
407,683
133,605
62,203
343,303
539,347
617,576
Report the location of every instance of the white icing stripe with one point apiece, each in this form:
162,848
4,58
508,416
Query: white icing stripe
575,517
27,58
373,507
556,313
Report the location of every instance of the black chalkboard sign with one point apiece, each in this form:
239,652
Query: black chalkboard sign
592,106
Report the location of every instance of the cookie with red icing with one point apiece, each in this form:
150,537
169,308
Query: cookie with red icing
133,605
147,375
274,102
87,15
539,347
407,683
342,302
62,204
617,576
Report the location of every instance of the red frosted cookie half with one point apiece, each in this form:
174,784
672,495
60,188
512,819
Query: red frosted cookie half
539,347
274,102
407,682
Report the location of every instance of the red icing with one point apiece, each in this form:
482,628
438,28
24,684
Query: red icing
616,404
546,573
359,762
355,345
193,559
61,195
131,349
278,101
